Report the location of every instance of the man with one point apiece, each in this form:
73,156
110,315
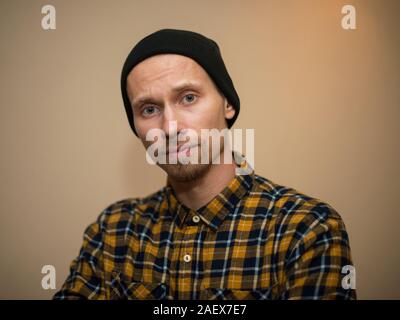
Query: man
209,233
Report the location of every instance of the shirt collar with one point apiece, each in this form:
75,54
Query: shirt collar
215,211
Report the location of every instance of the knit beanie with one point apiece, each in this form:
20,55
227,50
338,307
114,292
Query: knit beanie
203,50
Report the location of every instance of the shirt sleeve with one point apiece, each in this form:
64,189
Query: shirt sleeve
86,277
315,263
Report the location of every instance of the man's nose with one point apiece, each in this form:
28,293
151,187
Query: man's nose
171,123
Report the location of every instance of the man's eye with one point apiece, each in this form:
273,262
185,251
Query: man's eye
189,98
148,110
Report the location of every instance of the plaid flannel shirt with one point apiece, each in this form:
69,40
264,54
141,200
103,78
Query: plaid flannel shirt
254,240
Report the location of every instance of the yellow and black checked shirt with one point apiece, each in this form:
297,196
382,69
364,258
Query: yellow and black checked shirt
255,240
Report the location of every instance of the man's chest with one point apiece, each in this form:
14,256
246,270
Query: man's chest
192,262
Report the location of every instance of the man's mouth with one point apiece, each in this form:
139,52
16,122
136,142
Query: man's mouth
180,149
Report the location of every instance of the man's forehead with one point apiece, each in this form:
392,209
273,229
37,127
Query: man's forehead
175,72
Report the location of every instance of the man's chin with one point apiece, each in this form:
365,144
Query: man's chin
185,172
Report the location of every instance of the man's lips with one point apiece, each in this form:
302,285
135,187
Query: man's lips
180,149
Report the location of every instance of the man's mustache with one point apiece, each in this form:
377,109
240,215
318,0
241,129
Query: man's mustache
166,149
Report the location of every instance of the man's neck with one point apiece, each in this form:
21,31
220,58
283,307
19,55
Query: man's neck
197,193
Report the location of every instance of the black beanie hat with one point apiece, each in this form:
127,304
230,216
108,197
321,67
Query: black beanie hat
203,50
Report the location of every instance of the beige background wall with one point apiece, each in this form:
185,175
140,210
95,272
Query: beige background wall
324,103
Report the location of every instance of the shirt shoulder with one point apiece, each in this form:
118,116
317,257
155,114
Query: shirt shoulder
293,210
131,209
300,220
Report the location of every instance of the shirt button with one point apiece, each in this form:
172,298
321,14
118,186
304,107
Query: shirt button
196,219
187,258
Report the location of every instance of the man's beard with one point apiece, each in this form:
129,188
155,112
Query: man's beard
185,172
193,171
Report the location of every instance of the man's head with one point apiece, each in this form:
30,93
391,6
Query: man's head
176,75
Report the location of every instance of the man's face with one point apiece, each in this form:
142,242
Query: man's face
171,87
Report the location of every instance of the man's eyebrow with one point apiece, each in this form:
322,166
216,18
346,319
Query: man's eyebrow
180,87
185,85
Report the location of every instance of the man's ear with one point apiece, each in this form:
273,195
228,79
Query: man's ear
229,110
